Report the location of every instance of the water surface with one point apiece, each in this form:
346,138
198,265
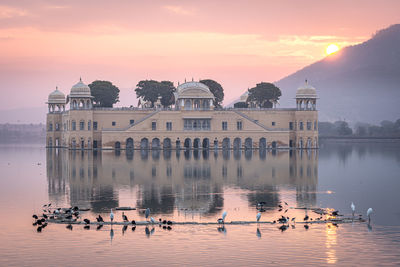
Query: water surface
198,186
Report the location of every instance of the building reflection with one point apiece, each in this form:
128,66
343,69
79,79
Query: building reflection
185,180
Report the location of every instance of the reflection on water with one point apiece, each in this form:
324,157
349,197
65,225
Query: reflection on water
165,181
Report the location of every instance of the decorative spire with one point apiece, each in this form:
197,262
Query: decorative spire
306,81
192,79
80,79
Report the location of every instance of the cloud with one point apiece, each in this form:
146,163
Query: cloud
7,12
179,10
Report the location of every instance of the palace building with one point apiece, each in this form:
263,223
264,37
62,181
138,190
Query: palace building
191,123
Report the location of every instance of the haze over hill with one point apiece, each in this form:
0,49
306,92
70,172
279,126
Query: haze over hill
358,83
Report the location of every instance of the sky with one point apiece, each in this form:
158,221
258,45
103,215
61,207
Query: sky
49,43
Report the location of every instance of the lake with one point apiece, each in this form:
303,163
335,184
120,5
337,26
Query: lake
185,186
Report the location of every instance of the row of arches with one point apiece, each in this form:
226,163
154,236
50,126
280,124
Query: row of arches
81,104
196,143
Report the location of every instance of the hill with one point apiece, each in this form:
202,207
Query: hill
358,83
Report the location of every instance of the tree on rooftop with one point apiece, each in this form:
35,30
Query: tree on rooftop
264,94
150,90
104,93
217,91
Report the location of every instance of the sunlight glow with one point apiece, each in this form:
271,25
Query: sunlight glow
332,48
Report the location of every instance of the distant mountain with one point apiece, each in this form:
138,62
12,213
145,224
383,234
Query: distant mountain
24,115
358,83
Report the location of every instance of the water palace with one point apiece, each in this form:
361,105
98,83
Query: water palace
191,123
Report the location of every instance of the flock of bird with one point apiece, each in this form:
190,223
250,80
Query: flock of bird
72,214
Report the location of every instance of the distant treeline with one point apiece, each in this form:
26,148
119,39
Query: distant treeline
22,133
386,129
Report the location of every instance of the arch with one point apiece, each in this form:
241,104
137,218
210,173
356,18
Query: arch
301,143
73,143
196,104
248,143
188,143
167,143
82,104
144,143
316,142
237,143
129,144
74,104
82,143
274,144
226,143
206,143
206,104
155,143
88,104
196,143
188,104
262,143
117,145
89,143
178,144
309,143
215,143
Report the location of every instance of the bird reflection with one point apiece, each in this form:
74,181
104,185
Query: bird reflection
124,229
111,235
99,227
369,227
258,233
222,229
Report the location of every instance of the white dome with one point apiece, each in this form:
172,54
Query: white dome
80,90
56,97
306,91
194,90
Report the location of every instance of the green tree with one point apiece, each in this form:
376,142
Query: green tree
150,90
264,94
343,128
104,93
240,105
217,91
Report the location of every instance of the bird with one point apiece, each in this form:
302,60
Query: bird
224,215
258,216
100,219
286,203
133,222
353,208
87,221
335,213
111,216
124,229
39,229
369,211
164,222
133,228
45,216
34,216
169,228
124,217
39,222
169,223
306,226
147,213
69,227
283,227
69,217
152,220
293,219
306,218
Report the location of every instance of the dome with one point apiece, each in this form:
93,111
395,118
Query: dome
194,90
56,97
306,91
80,90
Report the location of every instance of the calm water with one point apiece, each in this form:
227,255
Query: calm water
198,186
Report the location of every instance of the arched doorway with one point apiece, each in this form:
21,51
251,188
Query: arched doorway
273,144
178,144
144,143
226,143
215,143
167,143
237,143
196,143
263,143
129,144
82,143
309,143
117,145
301,143
188,143
155,143
248,143
206,143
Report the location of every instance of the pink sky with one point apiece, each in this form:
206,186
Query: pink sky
46,43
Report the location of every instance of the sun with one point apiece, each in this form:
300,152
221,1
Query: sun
332,48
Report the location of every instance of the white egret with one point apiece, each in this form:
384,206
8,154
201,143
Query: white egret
147,213
369,211
224,215
258,216
111,216
152,220
353,208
